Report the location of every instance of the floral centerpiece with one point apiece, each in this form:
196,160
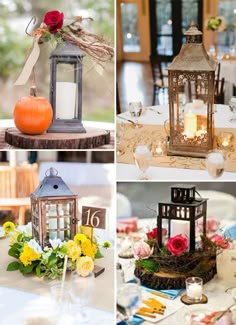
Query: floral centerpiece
169,266
48,262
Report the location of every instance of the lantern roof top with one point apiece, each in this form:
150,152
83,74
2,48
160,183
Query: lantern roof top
193,55
52,186
67,49
194,203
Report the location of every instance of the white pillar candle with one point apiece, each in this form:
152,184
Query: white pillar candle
65,100
194,291
179,227
190,124
201,132
52,224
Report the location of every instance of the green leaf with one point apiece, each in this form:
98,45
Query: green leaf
19,237
13,266
28,268
14,250
148,265
52,259
98,254
38,270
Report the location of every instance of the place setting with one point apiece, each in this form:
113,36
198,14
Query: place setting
180,271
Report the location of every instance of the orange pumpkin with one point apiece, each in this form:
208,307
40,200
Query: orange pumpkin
33,115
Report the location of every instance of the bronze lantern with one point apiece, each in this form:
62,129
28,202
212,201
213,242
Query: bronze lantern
191,79
181,214
54,210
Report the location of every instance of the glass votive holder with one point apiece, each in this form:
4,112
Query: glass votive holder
194,288
225,140
159,147
215,163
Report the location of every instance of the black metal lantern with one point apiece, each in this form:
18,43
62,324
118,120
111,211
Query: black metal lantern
66,89
54,210
181,214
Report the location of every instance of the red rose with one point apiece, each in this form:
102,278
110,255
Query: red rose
153,234
219,241
177,244
54,20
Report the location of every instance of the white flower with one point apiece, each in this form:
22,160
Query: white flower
2,232
35,246
46,254
26,229
56,242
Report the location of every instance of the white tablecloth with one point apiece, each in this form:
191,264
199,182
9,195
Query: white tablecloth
150,116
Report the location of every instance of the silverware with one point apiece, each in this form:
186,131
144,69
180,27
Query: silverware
127,120
223,313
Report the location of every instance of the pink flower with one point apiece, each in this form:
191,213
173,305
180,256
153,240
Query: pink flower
142,250
219,241
153,233
177,244
211,225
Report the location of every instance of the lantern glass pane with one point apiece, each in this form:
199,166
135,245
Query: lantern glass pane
66,91
190,108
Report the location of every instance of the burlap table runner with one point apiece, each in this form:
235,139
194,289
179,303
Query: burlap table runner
150,133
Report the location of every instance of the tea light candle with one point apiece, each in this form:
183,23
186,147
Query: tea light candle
194,288
194,291
190,124
201,132
197,103
224,140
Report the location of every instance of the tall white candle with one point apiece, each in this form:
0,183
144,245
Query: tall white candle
190,124
179,227
65,100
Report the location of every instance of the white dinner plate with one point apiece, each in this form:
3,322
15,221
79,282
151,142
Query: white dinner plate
183,316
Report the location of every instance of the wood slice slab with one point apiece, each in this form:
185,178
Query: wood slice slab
91,139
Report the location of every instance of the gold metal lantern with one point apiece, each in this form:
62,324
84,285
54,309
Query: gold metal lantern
191,79
54,210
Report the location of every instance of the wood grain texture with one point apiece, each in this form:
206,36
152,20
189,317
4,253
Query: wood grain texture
92,139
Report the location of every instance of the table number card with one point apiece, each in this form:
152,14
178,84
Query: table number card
94,217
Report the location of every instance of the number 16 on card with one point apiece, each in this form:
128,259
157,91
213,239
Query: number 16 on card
94,217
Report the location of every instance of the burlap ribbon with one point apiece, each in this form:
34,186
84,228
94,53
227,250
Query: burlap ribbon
150,133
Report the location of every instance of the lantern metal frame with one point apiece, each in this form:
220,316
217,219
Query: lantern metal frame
193,67
182,210
66,53
53,191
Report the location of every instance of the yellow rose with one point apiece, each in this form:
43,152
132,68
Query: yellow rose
84,265
80,238
74,251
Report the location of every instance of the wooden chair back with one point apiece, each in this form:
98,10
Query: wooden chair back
26,180
156,67
7,182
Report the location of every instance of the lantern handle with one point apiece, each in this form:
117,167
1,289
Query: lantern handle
197,193
51,172
33,19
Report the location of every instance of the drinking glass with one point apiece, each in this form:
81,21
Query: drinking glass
82,290
215,163
119,136
232,293
232,106
135,109
142,157
129,297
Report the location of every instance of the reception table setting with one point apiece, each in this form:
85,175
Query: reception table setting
177,268
190,137
54,269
